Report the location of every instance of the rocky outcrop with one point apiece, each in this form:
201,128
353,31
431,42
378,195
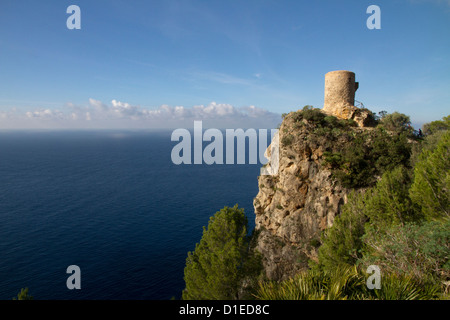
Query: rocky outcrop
363,117
297,204
294,206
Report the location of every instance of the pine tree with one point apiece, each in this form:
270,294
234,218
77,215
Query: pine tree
388,203
23,295
342,242
431,185
214,270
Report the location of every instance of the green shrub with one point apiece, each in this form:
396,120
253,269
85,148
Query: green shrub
384,205
431,186
23,295
346,123
388,203
331,121
322,131
287,140
421,251
436,126
313,115
336,132
397,122
332,159
315,243
367,156
297,116
341,243
357,168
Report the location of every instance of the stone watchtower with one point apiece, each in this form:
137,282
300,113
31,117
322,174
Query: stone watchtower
340,88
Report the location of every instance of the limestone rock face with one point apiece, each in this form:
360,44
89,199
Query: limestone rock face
363,117
293,207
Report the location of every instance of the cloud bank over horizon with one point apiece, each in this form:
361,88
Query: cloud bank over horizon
122,115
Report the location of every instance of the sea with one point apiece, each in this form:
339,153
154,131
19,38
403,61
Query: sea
111,202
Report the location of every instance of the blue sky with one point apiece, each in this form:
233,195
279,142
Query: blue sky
164,63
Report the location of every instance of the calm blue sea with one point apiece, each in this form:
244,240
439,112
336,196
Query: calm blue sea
111,202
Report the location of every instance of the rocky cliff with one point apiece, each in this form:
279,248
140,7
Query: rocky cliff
297,204
294,206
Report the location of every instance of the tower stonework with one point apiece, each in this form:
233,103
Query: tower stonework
340,88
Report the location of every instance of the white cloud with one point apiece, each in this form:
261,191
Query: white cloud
45,114
118,114
98,105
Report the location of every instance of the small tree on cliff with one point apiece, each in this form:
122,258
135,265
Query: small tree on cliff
23,295
342,242
214,270
397,122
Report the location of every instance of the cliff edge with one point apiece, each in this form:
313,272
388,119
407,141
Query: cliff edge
294,206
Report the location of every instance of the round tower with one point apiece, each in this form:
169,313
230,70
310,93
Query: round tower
340,88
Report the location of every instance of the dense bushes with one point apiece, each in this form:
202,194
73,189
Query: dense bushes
437,126
316,118
388,203
401,224
419,250
367,156
357,157
432,179
342,243
396,122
